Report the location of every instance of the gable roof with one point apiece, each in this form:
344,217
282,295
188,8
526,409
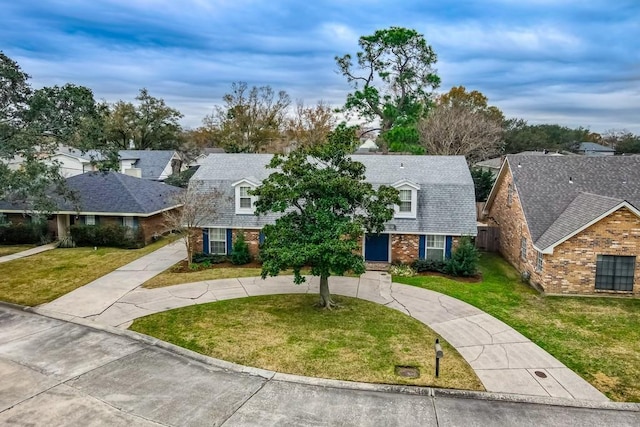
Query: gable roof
151,162
560,195
446,199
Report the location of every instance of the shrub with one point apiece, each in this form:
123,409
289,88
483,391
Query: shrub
402,270
201,257
240,252
436,265
111,235
464,260
23,233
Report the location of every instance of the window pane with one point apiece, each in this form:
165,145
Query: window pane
218,248
405,195
245,203
244,191
405,206
90,220
217,234
615,272
435,241
435,254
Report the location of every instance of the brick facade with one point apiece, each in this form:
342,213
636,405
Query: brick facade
252,238
404,248
571,269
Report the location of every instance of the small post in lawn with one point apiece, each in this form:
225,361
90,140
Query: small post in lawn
439,355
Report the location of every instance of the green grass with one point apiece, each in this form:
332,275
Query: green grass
360,341
13,249
597,337
168,277
46,276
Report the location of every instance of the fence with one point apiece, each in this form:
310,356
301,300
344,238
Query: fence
488,238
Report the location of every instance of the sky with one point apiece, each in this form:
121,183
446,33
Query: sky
568,62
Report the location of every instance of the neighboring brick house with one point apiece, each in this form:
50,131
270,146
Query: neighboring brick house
107,197
571,224
437,193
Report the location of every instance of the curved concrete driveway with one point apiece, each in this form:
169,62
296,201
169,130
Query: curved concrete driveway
504,360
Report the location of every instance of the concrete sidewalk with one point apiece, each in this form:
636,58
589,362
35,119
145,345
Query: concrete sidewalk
504,360
28,252
57,373
95,297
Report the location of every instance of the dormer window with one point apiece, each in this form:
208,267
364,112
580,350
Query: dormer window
245,198
245,202
405,201
408,192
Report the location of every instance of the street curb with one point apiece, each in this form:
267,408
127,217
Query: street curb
329,383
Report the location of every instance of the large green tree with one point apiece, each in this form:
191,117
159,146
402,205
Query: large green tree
326,206
520,136
150,124
33,124
392,81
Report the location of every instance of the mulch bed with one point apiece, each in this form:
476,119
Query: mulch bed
183,266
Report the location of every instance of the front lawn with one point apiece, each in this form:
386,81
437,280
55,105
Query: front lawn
172,277
597,337
360,341
43,277
14,249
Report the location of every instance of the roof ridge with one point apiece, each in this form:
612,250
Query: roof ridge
119,176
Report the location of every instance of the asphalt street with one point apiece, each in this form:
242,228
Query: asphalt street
59,373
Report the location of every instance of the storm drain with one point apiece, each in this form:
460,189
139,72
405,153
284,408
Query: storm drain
540,374
408,371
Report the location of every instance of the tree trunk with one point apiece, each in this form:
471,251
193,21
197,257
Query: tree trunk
325,296
188,242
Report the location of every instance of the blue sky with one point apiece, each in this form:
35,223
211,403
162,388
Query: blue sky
571,62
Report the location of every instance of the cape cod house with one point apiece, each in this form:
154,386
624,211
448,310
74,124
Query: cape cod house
436,192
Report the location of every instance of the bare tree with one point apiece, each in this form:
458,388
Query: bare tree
310,126
456,130
200,206
249,119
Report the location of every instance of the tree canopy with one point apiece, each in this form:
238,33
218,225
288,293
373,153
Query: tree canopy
326,205
392,79
32,126
462,123
250,119
148,125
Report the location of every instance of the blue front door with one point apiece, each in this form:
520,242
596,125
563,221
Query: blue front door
376,247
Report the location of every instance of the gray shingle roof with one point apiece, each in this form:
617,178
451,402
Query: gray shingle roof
151,162
554,206
592,146
446,199
111,192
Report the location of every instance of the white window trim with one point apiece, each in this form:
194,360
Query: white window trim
539,261
224,234
427,247
405,184
90,220
252,186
